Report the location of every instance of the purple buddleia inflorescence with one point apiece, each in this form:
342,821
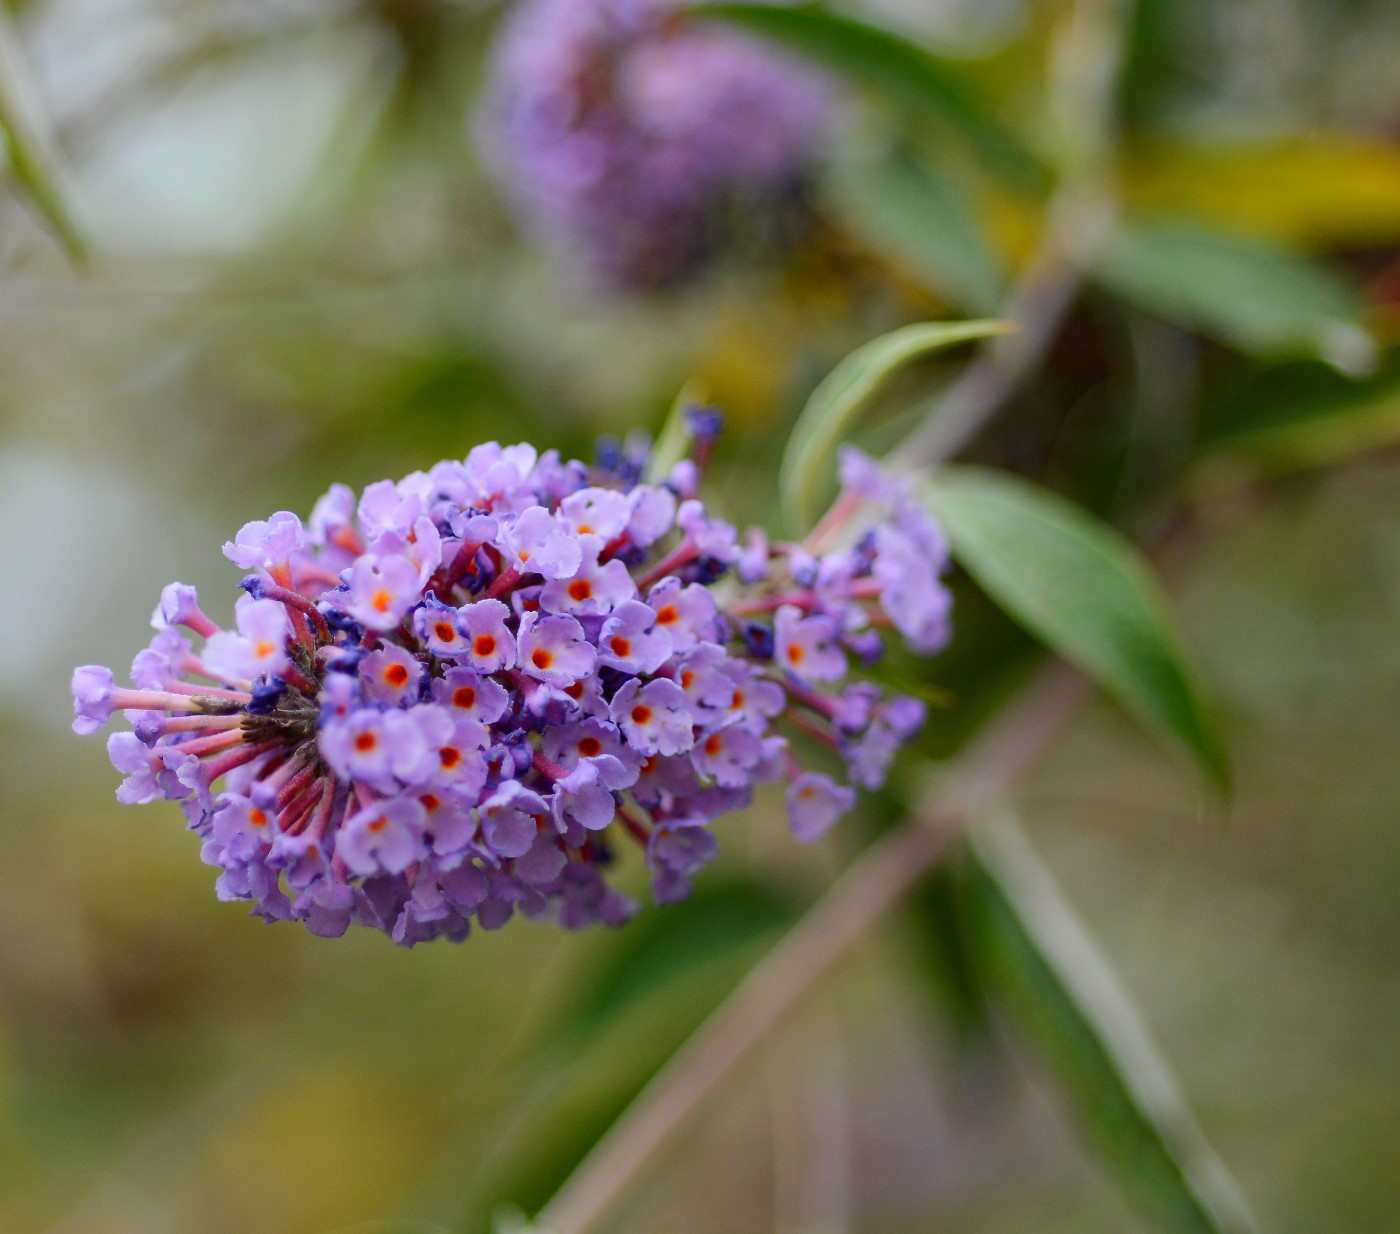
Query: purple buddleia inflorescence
643,144
454,696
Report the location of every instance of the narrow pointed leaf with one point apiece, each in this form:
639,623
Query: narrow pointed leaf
34,159
920,221
836,404
1043,965
1261,299
893,67
1083,590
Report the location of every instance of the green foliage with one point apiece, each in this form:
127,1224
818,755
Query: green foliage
903,73
1303,414
846,392
651,989
660,951
1062,993
939,922
919,220
1083,590
1259,298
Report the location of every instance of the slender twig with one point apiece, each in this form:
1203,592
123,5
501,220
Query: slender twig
34,158
887,870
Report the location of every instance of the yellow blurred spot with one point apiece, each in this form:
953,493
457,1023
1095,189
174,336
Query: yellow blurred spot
1328,192
320,1152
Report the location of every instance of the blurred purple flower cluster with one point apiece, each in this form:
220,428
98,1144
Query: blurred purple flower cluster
452,696
643,144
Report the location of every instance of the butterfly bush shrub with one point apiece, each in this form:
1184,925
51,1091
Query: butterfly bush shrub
641,143
452,697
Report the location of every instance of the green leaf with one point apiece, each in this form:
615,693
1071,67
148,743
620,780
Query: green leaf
1082,589
845,392
1261,299
710,929
904,73
1304,414
34,158
655,982
919,221
1040,961
938,918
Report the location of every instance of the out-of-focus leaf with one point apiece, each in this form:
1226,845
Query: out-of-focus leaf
34,157
674,437
713,925
1304,414
845,392
1061,991
1260,299
1083,590
655,985
1333,190
937,912
901,71
920,221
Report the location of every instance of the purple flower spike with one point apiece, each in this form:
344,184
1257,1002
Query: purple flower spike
644,146
445,703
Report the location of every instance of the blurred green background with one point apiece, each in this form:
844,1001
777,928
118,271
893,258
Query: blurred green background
302,275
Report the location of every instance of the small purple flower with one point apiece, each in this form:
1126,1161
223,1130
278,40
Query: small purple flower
675,853
266,545
593,589
259,647
554,649
384,837
582,797
179,606
654,717
391,675
491,645
477,697
436,625
130,756
382,590
814,803
92,698
686,613
510,817
542,545
653,514
601,512
807,646
632,641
